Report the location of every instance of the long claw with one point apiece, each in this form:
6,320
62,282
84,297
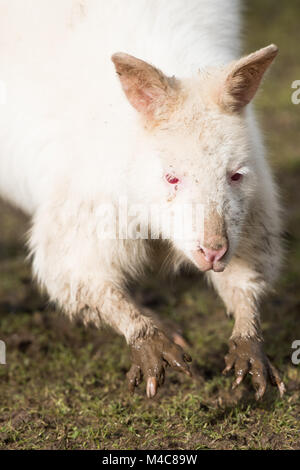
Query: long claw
260,392
179,340
229,361
152,386
227,369
176,360
237,382
241,368
276,379
259,381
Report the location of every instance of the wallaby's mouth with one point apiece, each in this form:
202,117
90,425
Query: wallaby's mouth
206,264
218,267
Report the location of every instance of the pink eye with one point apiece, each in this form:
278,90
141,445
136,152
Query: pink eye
236,177
172,179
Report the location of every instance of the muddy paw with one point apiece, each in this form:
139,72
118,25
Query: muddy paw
150,357
246,355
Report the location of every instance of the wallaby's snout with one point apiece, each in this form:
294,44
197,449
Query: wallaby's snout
214,254
214,244
210,256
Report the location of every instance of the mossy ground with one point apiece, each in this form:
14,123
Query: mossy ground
64,385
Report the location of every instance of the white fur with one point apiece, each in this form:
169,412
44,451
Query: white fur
70,141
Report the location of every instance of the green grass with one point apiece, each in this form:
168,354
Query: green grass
64,385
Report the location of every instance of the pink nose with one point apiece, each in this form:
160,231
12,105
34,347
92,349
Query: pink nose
213,255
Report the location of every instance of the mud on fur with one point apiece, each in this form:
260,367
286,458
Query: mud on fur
79,130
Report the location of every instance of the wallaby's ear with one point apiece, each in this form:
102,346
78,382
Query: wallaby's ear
244,77
146,87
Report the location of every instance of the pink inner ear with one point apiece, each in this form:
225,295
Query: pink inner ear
147,88
140,99
243,80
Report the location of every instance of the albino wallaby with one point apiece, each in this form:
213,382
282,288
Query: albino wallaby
75,136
